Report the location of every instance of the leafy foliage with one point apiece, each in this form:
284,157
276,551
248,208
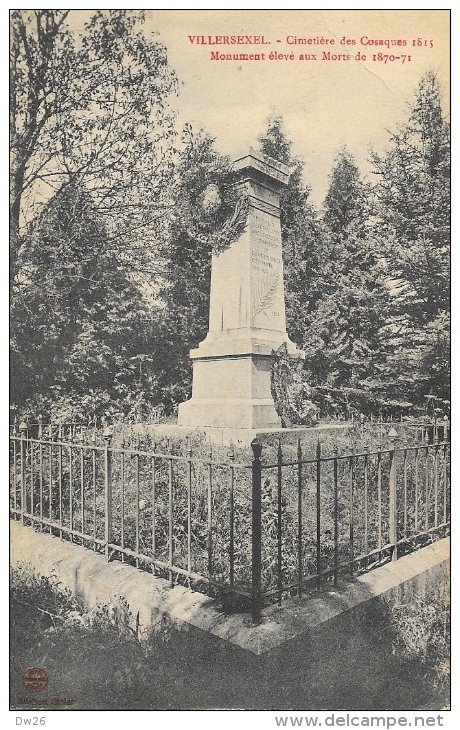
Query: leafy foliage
80,327
345,339
290,391
89,111
300,232
414,219
422,631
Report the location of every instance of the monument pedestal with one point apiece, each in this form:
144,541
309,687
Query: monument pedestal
232,366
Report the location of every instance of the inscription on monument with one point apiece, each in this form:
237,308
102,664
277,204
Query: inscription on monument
266,263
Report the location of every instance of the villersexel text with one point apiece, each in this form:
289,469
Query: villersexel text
342,50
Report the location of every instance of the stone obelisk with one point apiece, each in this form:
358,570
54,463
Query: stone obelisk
232,366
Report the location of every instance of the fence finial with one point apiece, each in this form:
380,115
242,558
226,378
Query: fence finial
279,451
256,447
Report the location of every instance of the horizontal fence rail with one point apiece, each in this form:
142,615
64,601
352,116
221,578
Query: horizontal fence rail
250,532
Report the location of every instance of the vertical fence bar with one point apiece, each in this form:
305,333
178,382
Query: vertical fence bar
23,432
405,492
256,583
32,477
122,501
50,481
336,518
436,478
351,497
70,489
60,476
40,463
136,504
318,515
379,496
366,499
107,492
170,521
392,505
189,503
231,456
82,491
93,458
209,520
444,474
15,478
40,466
299,519
427,485
416,489
154,509
279,523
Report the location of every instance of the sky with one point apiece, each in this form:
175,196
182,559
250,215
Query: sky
326,104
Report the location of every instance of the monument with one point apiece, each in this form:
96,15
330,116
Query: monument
232,366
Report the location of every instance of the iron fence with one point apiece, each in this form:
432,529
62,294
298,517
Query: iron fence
249,531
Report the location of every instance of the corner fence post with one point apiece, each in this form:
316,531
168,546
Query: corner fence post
393,522
107,490
23,436
256,582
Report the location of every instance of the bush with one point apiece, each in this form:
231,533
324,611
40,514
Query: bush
422,632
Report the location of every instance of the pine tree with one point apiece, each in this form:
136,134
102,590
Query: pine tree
414,221
301,235
344,348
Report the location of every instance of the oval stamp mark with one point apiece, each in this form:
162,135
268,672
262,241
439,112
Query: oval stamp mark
35,679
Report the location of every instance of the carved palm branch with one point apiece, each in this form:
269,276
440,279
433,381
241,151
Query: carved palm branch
265,295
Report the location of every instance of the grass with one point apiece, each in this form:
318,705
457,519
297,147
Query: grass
98,660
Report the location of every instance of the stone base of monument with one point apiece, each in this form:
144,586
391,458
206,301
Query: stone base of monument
243,436
224,413
230,392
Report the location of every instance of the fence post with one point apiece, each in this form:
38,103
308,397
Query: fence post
23,436
318,515
393,519
107,489
256,585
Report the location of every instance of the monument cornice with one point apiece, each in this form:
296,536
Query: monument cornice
255,166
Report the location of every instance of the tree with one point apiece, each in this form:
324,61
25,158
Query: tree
301,235
414,220
80,329
89,111
344,345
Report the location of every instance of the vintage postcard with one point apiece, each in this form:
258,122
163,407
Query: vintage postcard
230,363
